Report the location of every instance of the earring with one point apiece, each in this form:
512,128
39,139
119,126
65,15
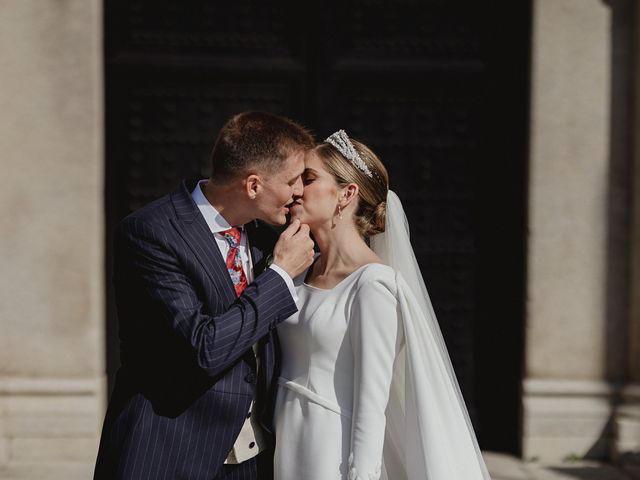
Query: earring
339,212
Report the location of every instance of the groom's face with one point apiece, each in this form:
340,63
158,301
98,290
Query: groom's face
280,189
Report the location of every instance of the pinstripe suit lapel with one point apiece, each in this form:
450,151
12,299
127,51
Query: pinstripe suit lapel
194,230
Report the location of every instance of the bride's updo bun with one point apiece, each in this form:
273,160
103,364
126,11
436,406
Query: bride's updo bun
377,222
370,217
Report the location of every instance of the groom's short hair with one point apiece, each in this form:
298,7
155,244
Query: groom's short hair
256,141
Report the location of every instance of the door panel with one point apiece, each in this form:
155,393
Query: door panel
439,89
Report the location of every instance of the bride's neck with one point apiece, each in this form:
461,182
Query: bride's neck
341,247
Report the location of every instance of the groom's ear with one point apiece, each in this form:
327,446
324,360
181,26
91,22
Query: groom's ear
252,186
349,193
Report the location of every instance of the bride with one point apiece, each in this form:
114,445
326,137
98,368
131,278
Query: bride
367,390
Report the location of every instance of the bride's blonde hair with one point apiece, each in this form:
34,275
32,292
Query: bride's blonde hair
370,216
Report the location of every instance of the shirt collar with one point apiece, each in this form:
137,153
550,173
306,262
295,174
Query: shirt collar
214,219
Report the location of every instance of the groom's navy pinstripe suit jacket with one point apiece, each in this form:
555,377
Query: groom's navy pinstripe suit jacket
188,372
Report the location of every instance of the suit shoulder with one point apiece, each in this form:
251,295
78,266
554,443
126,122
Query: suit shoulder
154,215
157,211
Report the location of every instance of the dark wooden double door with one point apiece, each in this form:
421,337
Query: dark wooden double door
437,88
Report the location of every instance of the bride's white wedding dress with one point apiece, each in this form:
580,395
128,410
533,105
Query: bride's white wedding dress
336,374
367,390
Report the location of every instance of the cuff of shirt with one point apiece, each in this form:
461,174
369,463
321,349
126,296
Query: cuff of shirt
287,279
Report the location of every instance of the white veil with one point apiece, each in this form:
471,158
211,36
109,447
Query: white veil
429,434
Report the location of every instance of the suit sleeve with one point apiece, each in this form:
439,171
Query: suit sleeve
144,258
373,330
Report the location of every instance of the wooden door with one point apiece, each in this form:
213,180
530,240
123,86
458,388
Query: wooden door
439,89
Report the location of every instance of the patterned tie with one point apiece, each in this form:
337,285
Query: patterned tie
234,262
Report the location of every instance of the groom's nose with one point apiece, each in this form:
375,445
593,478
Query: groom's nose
298,188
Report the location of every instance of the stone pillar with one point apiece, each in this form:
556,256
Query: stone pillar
626,448
576,313
51,249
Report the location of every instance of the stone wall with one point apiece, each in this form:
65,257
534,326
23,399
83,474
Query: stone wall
51,249
576,324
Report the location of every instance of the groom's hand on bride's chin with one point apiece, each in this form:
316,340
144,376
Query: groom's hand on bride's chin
294,251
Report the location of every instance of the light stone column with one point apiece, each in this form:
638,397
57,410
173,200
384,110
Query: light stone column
51,247
575,323
626,448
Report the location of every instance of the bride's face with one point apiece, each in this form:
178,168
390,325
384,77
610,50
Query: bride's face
319,200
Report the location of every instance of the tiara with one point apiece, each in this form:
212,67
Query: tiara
341,141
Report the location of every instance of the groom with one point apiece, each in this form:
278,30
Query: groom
198,300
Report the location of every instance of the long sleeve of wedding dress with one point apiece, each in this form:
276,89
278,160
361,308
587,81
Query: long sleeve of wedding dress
367,390
375,334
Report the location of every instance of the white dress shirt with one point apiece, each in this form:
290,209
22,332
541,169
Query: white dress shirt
250,440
